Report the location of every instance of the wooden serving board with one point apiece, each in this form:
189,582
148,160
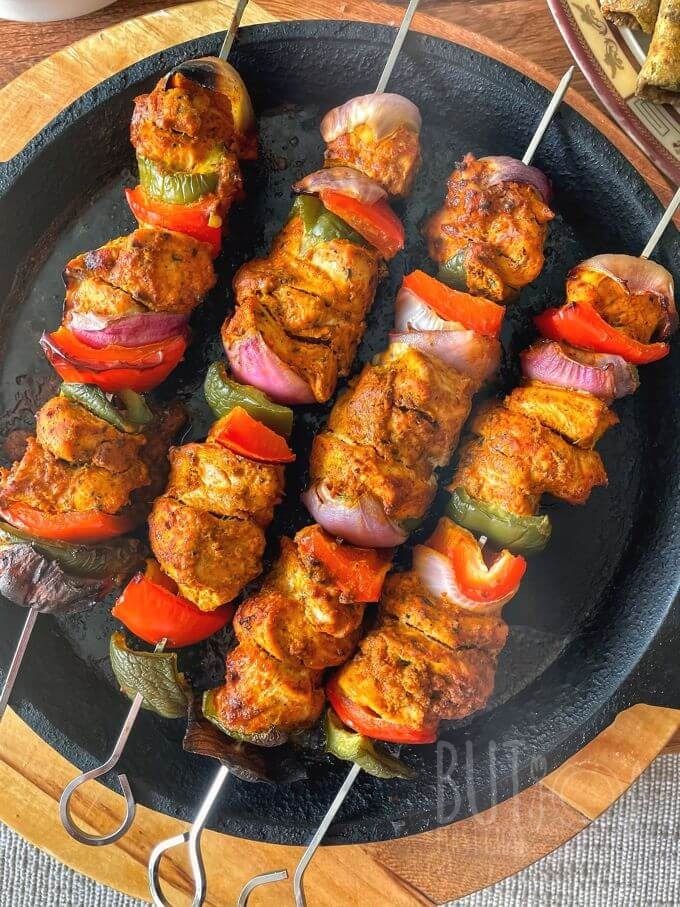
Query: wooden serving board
426,869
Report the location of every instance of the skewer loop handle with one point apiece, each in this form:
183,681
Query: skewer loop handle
84,837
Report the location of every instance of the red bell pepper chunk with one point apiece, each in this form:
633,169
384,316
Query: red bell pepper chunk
377,223
152,611
477,580
580,324
87,526
246,436
359,572
113,368
191,220
365,722
473,312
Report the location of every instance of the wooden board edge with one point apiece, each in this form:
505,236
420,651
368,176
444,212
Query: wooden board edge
595,777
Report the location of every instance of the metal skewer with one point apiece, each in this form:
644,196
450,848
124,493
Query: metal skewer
67,821
308,855
661,226
17,658
396,47
231,31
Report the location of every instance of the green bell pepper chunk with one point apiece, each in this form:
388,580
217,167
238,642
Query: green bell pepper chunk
153,674
118,557
520,534
321,225
95,400
138,411
346,744
223,395
179,187
453,273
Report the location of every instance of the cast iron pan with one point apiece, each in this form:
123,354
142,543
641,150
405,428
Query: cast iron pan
595,627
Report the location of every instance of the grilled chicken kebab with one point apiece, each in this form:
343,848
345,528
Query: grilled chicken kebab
300,312
373,479
432,654
98,461
128,303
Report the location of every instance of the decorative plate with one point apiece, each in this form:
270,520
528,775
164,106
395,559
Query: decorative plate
611,58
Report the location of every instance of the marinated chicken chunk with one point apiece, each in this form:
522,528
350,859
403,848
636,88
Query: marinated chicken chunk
79,462
392,162
166,272
211,558
496,233
51,485
406,600
307,581
93,296
519,457
408,406
309,306
72,433
260,693
639,315
211,478
351,471
579,416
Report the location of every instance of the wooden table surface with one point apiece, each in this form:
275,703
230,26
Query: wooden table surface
524,26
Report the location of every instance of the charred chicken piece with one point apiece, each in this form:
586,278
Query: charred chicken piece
516,459
397,421
260,693
308,305
163,271
297,625
79,462
408,406
207,529
393,161
498,231
579,416
422,661
640,315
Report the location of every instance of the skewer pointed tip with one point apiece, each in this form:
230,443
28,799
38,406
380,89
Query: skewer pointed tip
546,119
661,227
396,47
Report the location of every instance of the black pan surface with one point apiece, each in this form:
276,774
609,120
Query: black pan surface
595,604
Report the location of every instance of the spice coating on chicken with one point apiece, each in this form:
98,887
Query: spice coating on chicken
579,416
639,315
499,231
516,459
308,304
207,529
185,127
398,420
211,558
260,693
166,272
79,462
423,661
393,161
